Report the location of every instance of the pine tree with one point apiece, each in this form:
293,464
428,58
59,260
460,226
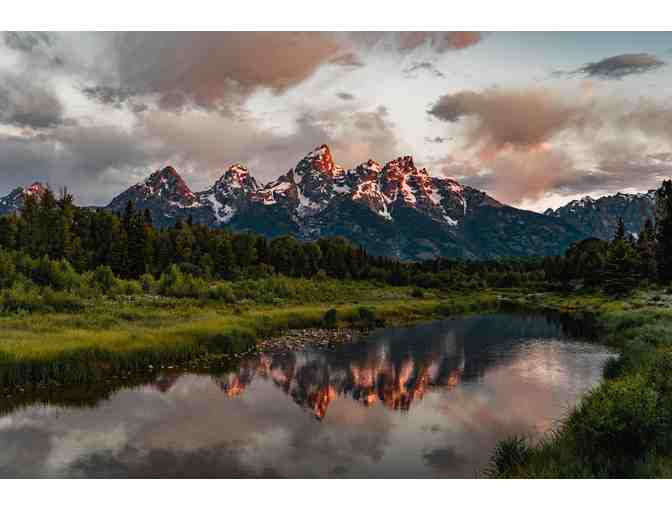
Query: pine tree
620,275
620,230
664,231
646,251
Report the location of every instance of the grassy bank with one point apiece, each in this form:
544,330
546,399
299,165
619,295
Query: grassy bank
623,428
115,335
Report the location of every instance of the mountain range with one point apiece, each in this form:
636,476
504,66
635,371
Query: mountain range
394,209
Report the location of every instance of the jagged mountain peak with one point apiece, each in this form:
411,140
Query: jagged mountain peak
236,177
319,160
36,188
13,202
598,217
395,209
168,184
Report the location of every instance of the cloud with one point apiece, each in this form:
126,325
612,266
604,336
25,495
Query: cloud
345,96
23,103
406,42
348,60
436,139
427,66
513,176
498,119
115,97
438,41
619,66
26,41
522,144
212,142
94,162
212,70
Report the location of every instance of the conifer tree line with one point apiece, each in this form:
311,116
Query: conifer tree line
626,261
128,246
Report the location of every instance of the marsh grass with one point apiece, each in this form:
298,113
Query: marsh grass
129,333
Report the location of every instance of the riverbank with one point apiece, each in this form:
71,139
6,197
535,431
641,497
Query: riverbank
118,336
622,428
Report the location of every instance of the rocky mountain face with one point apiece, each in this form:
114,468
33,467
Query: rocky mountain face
599,217
13,202
167,197
395,209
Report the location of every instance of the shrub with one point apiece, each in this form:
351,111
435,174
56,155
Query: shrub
61,301
104,278
367,316
148,283
329,319
417,293
619,420
509,455
634,356
321,276
7,270
221,292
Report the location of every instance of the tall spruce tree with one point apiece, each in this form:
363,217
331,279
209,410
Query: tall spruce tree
646,251
664,231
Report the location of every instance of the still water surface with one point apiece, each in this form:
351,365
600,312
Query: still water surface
424,401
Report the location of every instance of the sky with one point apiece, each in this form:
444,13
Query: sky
534,119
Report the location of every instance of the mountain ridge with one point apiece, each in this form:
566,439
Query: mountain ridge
598,217
393,209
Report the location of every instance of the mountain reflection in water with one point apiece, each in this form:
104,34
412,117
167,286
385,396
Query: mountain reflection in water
371,372
421,401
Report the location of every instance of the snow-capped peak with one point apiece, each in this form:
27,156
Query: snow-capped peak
321,160
168,185
37,188
236,177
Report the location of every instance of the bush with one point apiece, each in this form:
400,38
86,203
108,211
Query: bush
104,278
635,355
329,319
20,299
7,270
417,293
148,283
509,455
221,292
367,317
617,421
61,301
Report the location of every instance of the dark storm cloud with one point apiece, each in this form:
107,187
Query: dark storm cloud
619,66
94,162
24,103
345,96
425,66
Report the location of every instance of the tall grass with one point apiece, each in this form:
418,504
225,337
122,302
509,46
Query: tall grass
132,332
